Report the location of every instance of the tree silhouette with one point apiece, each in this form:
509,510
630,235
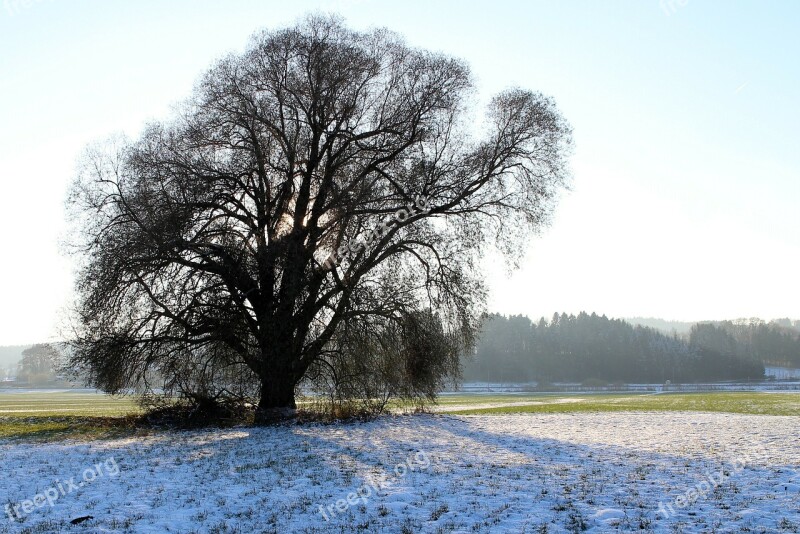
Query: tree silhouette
325,183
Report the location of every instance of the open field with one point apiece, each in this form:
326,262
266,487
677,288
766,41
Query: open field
759,403
545,473
40,415
63,403
700,462
60,415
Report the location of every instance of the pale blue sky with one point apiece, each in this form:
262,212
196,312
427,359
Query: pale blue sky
684,202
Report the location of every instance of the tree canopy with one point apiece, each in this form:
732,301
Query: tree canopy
207,241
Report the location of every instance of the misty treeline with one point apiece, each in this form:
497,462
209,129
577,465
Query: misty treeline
41,364
587,348
786,324
774,343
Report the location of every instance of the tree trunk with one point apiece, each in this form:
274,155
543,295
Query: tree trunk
276,402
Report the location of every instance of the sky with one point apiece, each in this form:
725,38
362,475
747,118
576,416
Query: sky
686,171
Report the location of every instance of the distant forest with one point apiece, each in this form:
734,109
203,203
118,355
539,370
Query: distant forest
592,348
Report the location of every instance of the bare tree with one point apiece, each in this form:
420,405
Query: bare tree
323,178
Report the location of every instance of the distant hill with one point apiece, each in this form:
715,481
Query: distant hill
684,327
663,325
11,354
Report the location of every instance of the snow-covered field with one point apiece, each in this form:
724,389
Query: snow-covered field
430,473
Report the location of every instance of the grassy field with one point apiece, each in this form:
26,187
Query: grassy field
41,404
79,415
731,402
61,415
